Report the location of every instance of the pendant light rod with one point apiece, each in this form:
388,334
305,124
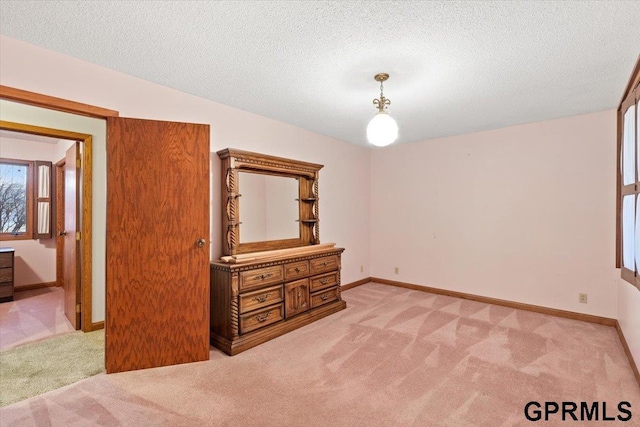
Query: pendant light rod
381,103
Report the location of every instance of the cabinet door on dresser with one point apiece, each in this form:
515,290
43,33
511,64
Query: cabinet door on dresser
296,297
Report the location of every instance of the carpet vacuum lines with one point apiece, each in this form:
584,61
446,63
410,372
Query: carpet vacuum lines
32,369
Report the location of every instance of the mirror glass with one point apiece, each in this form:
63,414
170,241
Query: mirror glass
269,209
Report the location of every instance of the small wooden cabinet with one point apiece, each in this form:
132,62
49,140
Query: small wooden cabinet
253,302
6,274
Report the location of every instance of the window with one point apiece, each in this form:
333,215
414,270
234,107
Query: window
629,181
25,199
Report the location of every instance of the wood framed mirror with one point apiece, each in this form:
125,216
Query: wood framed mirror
268,202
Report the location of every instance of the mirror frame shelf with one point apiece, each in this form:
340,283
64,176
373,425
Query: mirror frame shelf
233,162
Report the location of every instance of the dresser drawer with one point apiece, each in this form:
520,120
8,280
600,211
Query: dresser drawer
261,277
324,281
260,298
324,297
6,290
6,259
296,270
259,318
6,275
327,263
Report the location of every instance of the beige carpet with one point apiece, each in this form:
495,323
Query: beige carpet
394,357
33,315
35,368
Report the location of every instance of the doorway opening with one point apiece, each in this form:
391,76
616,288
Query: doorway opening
71,229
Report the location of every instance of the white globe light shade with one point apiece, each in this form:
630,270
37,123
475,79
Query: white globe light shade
382,129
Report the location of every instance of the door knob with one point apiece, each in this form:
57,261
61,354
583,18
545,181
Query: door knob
200,243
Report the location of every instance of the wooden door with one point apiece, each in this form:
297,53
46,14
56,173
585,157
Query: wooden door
59,230
296,297
71,267
157,275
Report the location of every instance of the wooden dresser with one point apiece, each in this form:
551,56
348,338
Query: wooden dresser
6,274
253,302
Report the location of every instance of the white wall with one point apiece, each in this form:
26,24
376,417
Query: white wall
525,213
629,317
344,181
35,260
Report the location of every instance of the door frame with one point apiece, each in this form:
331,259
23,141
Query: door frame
59,104
84,256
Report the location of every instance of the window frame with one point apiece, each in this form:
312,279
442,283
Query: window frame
28,234
37,199
630,98
33,198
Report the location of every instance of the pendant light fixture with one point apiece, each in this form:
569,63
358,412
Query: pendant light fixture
382,129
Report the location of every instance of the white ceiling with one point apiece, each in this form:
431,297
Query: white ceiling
456,67
27,137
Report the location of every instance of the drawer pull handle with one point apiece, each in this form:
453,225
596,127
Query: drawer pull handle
262,298
324,264
324,281
297,269
263,276
262,317
324,297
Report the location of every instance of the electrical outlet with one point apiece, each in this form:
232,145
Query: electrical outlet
362,269
582,298
396,270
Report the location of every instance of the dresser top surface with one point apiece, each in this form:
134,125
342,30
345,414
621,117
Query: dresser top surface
265,262
6,250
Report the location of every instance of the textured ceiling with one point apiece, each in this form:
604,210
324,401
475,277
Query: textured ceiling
456,67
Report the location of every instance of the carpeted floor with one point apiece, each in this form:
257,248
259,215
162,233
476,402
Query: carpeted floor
394,357
38,367
33,315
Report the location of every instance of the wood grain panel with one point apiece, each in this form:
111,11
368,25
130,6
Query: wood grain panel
226,296
261,298
157,275
324,297
293,270
6,275
259,336
261,277
296,297
53,103
70,258
6,290
260,318
60,222
232,162
324,281
222,295
320,265
6,259
86,242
